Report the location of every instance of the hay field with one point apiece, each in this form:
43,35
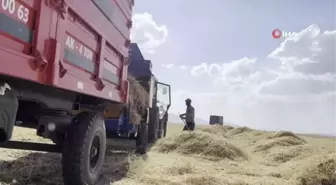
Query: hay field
209,156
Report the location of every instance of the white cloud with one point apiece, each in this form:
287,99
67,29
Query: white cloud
296,94
244,67
238,68
168,66
183,67
148,34
173,66
298,84
199,70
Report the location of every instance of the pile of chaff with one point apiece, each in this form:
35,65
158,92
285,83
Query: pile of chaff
138,99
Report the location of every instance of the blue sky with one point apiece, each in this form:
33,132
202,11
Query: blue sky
230,24
178,36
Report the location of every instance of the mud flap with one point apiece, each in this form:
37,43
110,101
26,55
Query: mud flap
8,108
142,138
153,125
142,134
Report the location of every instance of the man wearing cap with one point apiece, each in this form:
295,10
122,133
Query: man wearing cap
189,116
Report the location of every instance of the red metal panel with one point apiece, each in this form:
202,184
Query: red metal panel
81,50
95,19
13,60
80,30
112,56
110,67
126,7
121,18
40,56
15,47
90,26
14,44
21,12
73,83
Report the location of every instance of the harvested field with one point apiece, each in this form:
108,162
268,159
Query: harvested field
210,156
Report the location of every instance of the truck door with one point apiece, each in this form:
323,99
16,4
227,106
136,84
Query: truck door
163,98
163,102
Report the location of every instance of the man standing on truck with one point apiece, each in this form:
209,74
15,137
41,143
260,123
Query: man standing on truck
189,116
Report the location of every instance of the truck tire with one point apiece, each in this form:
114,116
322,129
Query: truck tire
84,149
8,109
142,139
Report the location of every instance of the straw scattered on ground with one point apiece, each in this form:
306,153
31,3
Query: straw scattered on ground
188,159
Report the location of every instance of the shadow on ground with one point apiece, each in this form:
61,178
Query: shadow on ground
38,168
33,168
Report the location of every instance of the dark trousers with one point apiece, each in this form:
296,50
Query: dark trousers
189,126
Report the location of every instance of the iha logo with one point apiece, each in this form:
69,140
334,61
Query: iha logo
277,34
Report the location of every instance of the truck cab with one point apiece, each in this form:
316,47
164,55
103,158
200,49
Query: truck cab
159,102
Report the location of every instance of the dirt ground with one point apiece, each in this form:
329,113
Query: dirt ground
209,156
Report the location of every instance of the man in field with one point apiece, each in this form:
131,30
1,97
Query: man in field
189,116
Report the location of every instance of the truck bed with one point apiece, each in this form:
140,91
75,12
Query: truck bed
76,45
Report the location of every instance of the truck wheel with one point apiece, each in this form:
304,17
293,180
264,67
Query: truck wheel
84,149
8,109
142,139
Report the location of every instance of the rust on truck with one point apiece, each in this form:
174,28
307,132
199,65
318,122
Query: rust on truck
76,45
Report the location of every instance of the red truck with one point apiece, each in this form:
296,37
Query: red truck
61,62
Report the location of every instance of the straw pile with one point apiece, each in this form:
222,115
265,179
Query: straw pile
280,139
285,134
322,173
285,154
215,129
204,144
138,99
